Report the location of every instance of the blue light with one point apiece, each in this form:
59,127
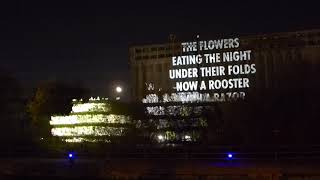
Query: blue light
70,155
230,156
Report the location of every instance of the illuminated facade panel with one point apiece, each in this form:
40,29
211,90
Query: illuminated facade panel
83,139
87,131
90,107
89,121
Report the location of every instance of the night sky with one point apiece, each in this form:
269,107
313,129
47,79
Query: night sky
87,41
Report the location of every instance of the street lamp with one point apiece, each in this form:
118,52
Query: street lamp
118,91
160,138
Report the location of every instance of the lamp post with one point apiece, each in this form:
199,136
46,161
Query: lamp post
118,90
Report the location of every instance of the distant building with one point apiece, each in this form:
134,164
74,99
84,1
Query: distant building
273,54
282,90
90,121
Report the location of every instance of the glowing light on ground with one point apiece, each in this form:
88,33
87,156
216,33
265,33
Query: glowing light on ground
230,155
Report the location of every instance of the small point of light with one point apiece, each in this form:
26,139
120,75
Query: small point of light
118,89
70,155
230,155
160,137
187,138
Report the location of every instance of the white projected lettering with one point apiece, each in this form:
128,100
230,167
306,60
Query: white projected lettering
203,69
183,73
186,60
191,97
210,45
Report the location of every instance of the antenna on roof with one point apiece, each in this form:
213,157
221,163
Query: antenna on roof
172,37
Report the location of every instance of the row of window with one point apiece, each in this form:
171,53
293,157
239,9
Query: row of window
313,39
289,44
301,36
308,35
154,49
153,56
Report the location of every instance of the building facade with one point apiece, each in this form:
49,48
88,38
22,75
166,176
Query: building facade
283,90
273,54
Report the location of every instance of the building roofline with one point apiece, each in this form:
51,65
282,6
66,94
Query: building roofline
251,35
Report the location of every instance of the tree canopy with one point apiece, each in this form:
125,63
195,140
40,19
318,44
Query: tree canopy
52,97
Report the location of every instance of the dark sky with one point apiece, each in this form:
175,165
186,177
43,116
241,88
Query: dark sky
87,41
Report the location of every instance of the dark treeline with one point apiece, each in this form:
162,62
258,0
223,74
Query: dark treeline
284,115
25,117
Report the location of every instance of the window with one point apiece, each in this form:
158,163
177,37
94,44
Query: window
159,67
161,56
145,49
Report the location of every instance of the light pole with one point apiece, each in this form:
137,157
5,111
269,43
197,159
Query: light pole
118,90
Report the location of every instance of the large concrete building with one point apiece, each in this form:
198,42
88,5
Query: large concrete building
280,104
275,55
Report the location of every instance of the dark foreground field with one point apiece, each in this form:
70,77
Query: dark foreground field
157,168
